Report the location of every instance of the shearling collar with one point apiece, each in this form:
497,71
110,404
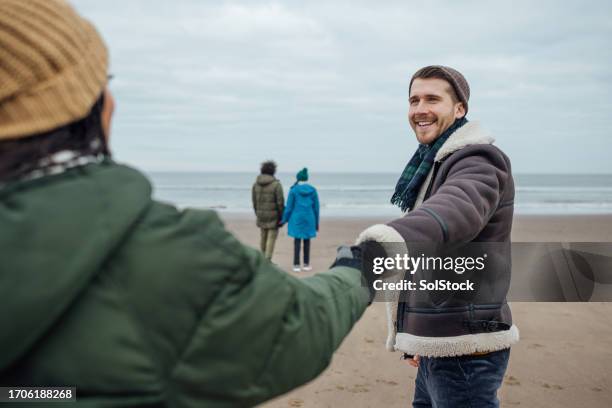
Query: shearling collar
469,134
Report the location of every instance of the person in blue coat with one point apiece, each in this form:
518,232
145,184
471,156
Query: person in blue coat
302,214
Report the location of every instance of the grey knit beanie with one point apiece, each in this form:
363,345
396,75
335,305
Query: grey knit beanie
452,76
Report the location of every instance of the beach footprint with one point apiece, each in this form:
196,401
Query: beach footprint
552,386
512,380
296,402
535,346
358,388
386,382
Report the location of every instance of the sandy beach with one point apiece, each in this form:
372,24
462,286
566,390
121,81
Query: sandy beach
564,358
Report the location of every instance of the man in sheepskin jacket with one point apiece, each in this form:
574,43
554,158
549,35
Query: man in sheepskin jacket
456,189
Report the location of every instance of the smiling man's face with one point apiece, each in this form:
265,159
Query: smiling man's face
433,108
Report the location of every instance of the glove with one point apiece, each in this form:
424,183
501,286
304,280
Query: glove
360,257
348,256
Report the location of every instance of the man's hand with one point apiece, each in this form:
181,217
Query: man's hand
414,361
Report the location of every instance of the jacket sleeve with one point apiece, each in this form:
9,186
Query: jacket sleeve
316,208
464,203
254,198
262,332
289,208
280,199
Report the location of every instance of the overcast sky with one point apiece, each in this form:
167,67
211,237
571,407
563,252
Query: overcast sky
222,86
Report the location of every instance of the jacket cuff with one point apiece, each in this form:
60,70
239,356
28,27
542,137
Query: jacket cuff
379,233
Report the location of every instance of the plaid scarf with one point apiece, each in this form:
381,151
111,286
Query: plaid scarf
413,176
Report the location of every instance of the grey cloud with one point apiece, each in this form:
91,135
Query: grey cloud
223,85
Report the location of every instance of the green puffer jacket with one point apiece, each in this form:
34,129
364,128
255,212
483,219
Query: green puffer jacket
136,303
268,201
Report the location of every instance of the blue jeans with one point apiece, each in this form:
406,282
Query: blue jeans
457,382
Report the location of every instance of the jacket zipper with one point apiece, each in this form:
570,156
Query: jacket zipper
440,221
431,182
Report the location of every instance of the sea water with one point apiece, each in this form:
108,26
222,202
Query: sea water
368,194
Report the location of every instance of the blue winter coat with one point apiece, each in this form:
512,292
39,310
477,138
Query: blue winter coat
302,211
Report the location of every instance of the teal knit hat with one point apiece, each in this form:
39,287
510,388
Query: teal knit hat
302,175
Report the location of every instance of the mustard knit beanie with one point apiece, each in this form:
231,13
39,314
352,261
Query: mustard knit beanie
53,66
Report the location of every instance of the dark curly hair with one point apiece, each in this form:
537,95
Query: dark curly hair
268,167
19,157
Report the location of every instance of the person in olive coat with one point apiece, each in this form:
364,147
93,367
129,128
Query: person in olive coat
268,204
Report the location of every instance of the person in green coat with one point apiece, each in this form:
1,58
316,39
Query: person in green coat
130,300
